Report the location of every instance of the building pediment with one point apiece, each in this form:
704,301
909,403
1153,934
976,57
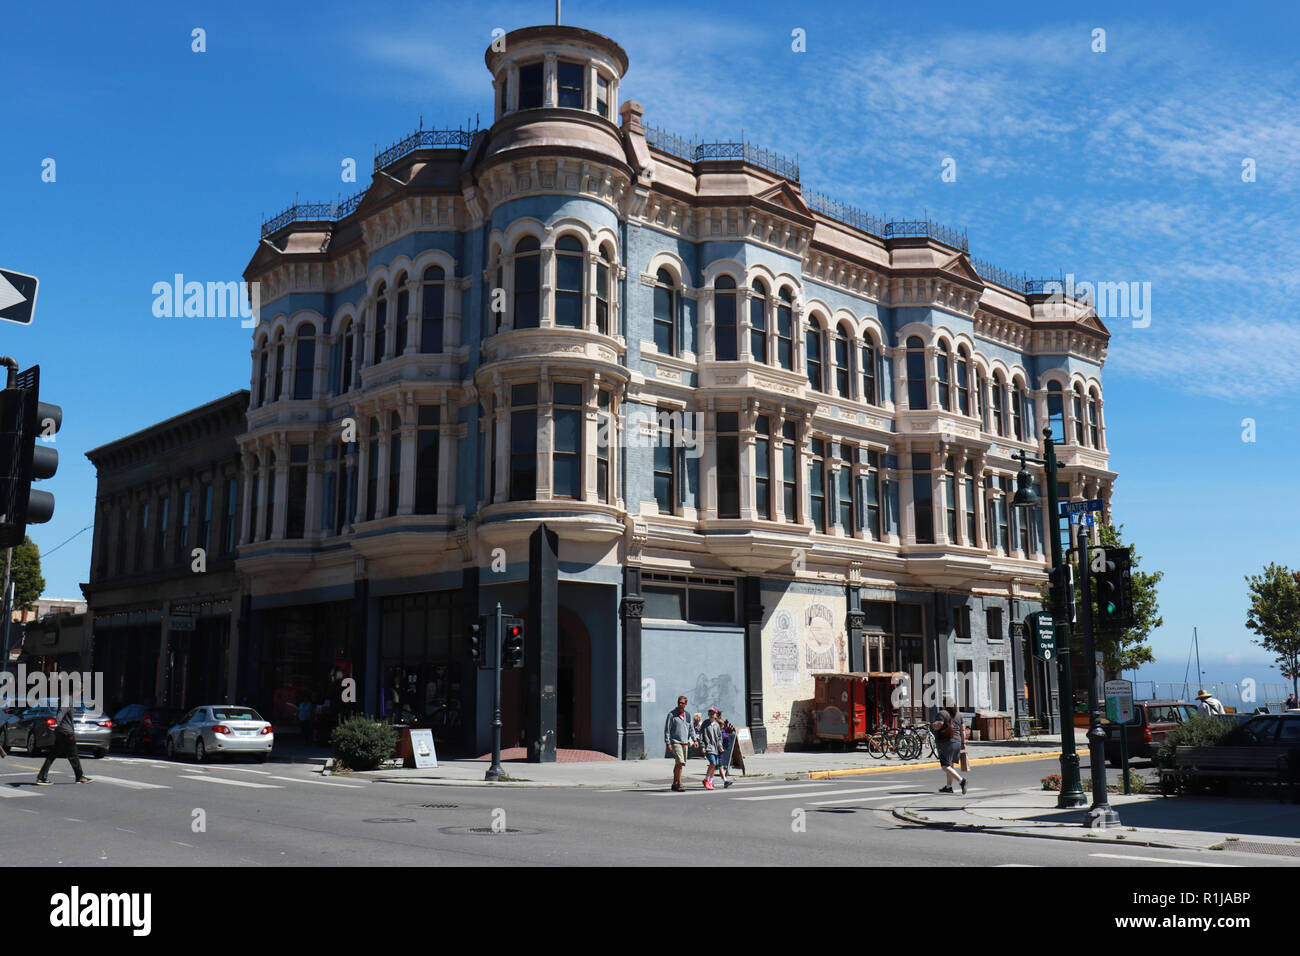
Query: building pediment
782,194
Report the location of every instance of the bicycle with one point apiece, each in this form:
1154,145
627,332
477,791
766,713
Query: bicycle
926,743
886,740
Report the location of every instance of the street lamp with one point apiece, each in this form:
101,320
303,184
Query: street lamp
1071,794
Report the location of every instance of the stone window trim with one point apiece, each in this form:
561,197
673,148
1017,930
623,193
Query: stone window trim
502,257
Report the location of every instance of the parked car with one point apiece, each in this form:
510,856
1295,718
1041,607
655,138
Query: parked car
1279,730
221,729
140,729
1152,721
33,728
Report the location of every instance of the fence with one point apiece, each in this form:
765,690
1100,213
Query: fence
1270,695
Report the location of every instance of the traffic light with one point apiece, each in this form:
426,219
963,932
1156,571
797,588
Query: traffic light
476,641
1063,590
23,419
1114,589
514,642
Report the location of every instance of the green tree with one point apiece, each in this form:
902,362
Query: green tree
26,574
1124,649
1275,616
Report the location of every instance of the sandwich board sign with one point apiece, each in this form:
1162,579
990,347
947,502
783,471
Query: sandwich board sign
422,749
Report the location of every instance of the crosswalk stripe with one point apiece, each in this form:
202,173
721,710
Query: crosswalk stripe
320,783
264,773
233,783
887,796
824,793
15,792
129,784
1158,859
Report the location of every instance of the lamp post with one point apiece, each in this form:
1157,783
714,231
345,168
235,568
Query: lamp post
1071,794
1101,814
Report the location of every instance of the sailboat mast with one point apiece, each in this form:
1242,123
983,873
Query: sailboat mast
1199,673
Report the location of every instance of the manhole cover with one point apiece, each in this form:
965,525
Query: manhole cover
1276,849
390,820
488,831
439,806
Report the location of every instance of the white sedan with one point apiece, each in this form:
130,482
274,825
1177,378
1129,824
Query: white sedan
221,729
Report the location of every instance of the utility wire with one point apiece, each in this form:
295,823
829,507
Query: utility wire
57,546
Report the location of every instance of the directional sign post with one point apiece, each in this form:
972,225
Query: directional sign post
17,297
1043,634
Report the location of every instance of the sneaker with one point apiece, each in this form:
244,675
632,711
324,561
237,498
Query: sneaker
42,783
945,789
83,780
678,788
708,785
726,783
963,786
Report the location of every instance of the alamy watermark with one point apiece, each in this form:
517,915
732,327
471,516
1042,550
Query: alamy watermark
644,427
36,689
176,299
1111,300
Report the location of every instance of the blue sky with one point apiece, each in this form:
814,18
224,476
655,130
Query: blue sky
1123,165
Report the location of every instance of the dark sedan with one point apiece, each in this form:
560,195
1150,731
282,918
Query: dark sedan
33,729
1277,730
140,729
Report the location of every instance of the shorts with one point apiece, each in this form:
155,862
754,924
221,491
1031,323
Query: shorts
715,760
679,753
949,753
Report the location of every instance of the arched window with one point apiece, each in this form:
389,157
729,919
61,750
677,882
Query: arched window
528,283
843,371
1094,418
1079,436
999,419
304,366
604,289
941,365
568,282
869,370
1017,410
724,312
758,322
264,362
1056,411
279,364
963,380
665,310
916,397
813,350
569,84
349,346
394,463
403,315
381,324
432,309
785,330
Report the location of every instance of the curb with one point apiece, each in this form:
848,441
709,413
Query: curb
929,765
909,816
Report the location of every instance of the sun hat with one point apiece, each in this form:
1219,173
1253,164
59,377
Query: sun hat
1203,694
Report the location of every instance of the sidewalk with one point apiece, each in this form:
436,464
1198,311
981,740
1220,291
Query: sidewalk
653,773
1248,825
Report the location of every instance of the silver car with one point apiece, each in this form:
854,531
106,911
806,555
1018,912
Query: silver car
221,729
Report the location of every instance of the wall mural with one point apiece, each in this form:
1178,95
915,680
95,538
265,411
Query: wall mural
819,635
786,671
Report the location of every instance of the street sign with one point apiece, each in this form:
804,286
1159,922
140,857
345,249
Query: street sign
1081,519
1043,635
1079,507
17,297
1119,701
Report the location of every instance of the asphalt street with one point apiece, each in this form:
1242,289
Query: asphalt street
151,812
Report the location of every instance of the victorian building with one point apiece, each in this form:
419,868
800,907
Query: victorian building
772,434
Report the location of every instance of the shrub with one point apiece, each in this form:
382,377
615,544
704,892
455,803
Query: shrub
1202,731
1052,781
361,743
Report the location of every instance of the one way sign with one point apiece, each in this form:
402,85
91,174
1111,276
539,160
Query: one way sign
17,297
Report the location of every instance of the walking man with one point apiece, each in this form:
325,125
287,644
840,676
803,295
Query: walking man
305,713
948,732
65,745
678,734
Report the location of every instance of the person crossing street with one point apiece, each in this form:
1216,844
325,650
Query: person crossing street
65,745
679,732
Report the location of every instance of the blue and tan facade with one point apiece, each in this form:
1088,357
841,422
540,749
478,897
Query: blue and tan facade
773,436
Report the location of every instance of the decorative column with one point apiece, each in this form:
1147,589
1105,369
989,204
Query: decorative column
550,93
381,477
777,419
281,514
450,431
906,503
546,315
704,345
743,327
959,489
709,463
939,493
409,430
362,456
631,608
753,611
315,492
